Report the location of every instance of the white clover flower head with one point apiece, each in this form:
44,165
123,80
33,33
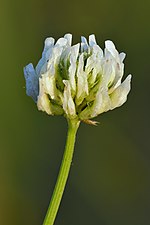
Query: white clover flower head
79,81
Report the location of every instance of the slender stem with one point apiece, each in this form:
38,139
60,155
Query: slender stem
63,173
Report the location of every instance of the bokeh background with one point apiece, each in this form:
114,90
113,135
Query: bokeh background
109,183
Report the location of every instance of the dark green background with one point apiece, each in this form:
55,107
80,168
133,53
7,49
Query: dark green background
109,182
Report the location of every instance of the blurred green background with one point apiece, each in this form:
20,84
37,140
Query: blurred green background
109,182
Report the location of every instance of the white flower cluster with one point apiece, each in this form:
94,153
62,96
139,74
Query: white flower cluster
79,81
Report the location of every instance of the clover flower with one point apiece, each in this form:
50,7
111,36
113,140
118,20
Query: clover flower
79,81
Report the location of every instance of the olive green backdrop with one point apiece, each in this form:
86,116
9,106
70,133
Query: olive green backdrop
109,183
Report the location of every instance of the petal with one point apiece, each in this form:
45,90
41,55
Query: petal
111,48
82,83
113,57
92,40
73,65
40,65
75,51
108,72
53,61
68,37
32,82
61,42
119,95
102,102
97,104
84,44
49,43
95,59
49,85
43,102
122,56
106,103
84,40
97,51
68,103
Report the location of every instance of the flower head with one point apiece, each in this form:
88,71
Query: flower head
79,81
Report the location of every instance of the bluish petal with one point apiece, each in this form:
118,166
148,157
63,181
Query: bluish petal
32,83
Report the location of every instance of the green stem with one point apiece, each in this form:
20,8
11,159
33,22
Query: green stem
63,173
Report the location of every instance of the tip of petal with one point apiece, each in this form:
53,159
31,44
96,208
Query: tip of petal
111,48
92,40
109,45
28,69
75,51
122,56
61,42
84,40
68,37
129,77
49,42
